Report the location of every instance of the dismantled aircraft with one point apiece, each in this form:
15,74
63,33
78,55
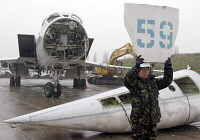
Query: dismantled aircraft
110,111
62,46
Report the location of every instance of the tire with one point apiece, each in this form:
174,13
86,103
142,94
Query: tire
79,83
59,91
48,89
83,83
89,80
18,81
12,81
76,83
94,81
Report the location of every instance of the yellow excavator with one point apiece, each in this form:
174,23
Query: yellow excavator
103,76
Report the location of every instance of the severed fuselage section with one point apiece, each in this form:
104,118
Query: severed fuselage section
61,47
66,40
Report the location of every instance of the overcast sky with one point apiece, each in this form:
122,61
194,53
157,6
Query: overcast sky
102,19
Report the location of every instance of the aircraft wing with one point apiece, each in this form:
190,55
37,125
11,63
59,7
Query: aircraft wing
23,64
9,59
18,60
27,54
104,65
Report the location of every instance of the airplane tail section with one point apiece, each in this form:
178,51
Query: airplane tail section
152,31
27,45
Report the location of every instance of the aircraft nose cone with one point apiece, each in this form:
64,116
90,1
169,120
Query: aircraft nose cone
20,119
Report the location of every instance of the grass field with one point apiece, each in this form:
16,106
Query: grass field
179,62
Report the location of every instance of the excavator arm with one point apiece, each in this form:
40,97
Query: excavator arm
126,49
106,75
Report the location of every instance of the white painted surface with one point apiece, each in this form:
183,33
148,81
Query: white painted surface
152,30
88,114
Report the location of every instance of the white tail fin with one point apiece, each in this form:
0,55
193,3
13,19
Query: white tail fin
152,30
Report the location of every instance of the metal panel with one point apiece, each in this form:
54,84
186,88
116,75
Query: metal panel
90,44
27,45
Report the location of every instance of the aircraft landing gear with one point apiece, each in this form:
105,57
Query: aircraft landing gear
48,89
12,81
79,83
58,92
53,90
15,81
18,81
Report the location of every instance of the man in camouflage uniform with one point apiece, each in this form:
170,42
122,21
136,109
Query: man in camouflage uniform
144,88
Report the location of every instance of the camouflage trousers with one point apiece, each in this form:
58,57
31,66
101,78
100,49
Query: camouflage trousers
143,132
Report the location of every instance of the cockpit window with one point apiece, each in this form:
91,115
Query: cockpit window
187,85
125,98
109,102
52,17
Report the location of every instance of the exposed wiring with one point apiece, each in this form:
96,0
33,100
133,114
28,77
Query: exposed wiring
125,113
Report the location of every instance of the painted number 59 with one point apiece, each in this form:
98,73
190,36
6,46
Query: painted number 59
150,31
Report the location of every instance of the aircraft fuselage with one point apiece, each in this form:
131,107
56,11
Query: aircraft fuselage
108,111
62,41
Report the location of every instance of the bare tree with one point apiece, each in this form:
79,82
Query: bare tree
176,50
95,57
105,57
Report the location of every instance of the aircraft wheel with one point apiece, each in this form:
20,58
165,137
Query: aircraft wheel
59,91
75,83
79,83
48,89
12,81
89,80
83,83
18,81
94,80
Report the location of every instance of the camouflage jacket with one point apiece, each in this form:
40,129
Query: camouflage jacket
144,94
